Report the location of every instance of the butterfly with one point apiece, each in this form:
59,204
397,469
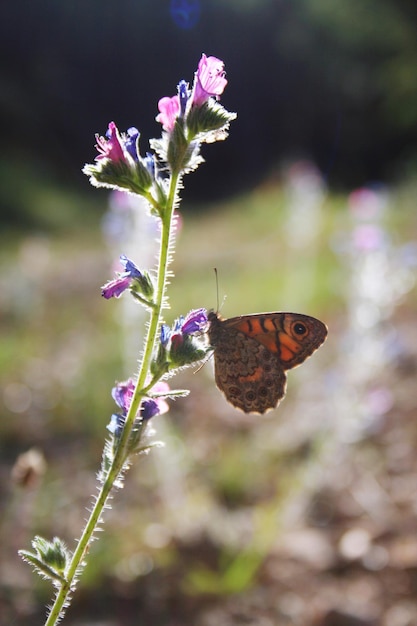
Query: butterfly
253,352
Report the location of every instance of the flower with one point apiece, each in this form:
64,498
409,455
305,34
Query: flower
150,164
165,334
156,405
116,287
194,322
122,394
131,142
209,80
132,278
169,109
178,343
119,164
111,147
183,95
191,118
148,409
116,425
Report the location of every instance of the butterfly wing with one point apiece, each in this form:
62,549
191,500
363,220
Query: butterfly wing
293,337
247,373
252,352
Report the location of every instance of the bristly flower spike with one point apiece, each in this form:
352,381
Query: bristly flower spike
189,118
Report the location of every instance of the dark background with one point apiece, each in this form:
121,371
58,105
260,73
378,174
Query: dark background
328,80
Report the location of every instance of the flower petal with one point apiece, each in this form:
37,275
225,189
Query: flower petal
169,109
209,79
115,288
110,147
194,321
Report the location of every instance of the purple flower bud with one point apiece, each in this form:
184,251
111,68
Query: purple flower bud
183,94
131,142
149,408
130,267
178,324
183,348
116,425
115,288
122,394
165,334
194,322
149,162
177,340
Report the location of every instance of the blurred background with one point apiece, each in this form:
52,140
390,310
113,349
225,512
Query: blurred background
306,516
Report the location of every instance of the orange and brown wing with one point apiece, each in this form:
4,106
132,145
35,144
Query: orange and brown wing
252,352
249,374
293,337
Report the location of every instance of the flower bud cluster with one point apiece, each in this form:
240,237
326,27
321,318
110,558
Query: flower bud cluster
150,406
189,118
181,345
49,558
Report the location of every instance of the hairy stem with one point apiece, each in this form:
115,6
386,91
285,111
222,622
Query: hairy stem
62,598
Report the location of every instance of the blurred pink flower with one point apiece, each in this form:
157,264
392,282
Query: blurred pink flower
368,237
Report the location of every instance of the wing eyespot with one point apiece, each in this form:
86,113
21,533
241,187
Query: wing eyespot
300,329
235,391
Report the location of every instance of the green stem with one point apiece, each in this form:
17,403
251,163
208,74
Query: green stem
75,566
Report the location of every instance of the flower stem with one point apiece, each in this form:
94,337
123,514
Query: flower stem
119,462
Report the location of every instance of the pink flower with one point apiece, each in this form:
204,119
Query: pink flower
169,109
209,79
368,237
111,146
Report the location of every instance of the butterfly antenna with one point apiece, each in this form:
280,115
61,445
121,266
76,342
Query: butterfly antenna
217,291
217,287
